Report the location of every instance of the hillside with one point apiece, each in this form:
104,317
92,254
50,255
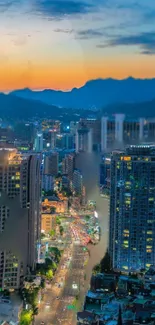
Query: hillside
96,93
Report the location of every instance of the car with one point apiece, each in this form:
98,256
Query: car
57,298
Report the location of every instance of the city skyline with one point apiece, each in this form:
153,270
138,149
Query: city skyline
62,44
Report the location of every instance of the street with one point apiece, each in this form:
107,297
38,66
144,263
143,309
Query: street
58,305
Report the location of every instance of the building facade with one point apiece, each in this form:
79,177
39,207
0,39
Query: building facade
51,162
68,165
48,222
48,183
132,208
84,140
38,145
77,182
105,175
95,126
20,221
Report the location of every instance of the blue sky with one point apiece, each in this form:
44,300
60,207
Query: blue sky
78,40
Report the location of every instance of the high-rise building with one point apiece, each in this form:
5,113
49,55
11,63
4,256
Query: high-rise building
77,182
48,182
95,126
84,140
69,166
20,222
105,174
51,164
132,208
38,145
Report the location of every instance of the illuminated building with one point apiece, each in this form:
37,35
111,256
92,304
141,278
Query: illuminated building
51,163
132,208
61,206
20,205
38,145
118,131
68,166
105,174
51,125
48,222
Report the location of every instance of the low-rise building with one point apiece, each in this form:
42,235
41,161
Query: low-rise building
60,206
104,281
48,222
87,318
10,310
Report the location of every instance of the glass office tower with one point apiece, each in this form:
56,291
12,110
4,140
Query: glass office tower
132,208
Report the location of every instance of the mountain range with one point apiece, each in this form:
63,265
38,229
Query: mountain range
96,94
134,97
13,107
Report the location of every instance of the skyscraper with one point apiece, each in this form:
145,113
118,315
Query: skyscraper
132,208
84,140
38,145
20,222
69,165
51,164
77,182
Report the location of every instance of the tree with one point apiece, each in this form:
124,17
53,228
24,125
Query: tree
52,233
26,317
49,274
119,321
97,269
43,236
53,209
42,284
87,217
105,263
61,229
58,222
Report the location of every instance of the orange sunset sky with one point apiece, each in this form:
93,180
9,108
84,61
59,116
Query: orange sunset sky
61,44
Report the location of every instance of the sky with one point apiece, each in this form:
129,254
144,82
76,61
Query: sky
61,44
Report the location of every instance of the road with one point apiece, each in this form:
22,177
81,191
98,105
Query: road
56,312
66,285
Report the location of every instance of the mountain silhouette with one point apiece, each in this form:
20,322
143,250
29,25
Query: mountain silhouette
96,94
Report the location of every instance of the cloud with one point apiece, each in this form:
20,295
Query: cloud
65,31
89,34
61,8
146,42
